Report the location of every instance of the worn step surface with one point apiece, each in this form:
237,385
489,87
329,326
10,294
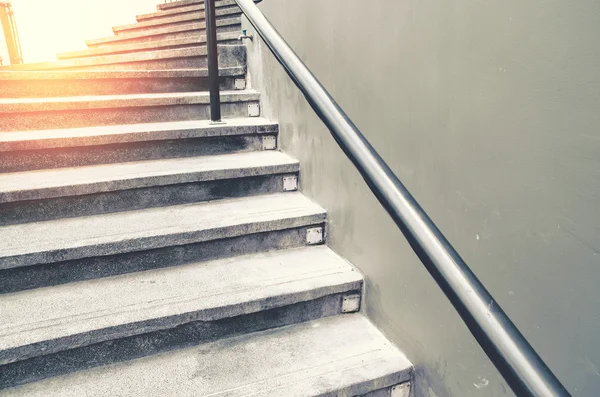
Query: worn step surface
35,196
196,29
72,147
43,184
20,114
174,20
185,3
192,41
68,239
177,4
335,356
178,58
131,133
46,321
19,84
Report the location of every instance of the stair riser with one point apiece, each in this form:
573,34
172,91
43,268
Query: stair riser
76,87
135,198
44,275
150,36
178,336
115,116
119,153
178,20
387,392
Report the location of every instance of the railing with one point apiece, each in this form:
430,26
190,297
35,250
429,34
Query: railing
11,35
516,360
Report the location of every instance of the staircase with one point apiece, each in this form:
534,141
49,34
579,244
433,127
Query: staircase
145,251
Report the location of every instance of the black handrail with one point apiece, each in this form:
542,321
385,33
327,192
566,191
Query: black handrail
516,360
213,60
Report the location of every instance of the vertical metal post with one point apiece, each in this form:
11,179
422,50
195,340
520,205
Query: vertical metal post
213,60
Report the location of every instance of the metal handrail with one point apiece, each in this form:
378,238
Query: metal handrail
516,360
213,60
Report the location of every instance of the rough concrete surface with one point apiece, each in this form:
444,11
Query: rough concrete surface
70,137
222,12
107,234
178,58
169,32
194,41
42,184
342,355
45,321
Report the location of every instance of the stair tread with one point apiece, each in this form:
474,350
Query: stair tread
178,3
15,105
156,44
106,234
163,30
69,137
122,306
190,16
308,359
61,182
193,7
7,75
115,59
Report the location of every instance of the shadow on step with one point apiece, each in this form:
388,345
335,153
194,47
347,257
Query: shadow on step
190,334
30,277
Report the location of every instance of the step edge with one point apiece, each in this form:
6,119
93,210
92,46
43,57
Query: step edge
33,140
124,182
307,214
337,281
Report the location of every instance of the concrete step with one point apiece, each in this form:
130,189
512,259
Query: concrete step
195,29
335,356
25,114
178,58
34,84
59,324
73,147
185,3
192,41
35,196
108,234
175,20
182,10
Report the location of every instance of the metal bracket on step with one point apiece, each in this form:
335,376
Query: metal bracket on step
401,390
314,235
239,84
253,110
351,303
290,183
269,142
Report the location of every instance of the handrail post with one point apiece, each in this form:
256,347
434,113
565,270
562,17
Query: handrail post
213,60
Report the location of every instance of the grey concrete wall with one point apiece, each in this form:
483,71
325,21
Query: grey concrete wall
490,114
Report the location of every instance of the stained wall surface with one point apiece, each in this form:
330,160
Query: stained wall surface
489,112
